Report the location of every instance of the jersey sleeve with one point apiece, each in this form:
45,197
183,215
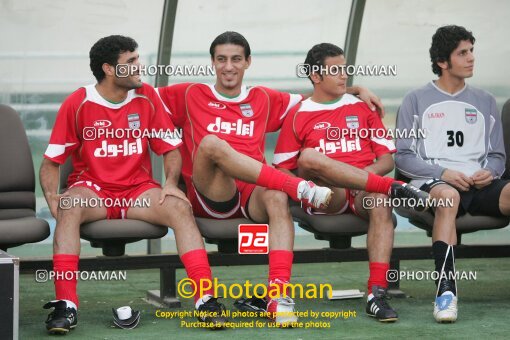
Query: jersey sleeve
64,137
407,159
496,155
173,98
280,104
166,137
289,143
380,141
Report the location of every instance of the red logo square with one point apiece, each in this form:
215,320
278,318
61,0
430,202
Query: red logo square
253,238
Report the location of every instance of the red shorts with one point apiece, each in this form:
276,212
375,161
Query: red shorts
348,207
201,209
129,194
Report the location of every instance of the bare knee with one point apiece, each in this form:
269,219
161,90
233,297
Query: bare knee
448,193
447,200
310,159
276,201
70,208
212,146
380,211
176,213
178,207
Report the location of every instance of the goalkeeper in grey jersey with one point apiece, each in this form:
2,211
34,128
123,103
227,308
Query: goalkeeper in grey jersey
461,156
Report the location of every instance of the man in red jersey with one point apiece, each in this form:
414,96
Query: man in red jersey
107,129
332,134
224,168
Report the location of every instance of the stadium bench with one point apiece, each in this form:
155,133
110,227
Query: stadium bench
224,234
18,224
337,229
112,235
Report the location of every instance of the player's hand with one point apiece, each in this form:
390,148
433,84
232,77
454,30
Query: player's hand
371,100
457,179
53,201
172,190
482,178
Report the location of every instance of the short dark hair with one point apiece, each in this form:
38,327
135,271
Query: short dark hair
233,38
107,50
444,42
318,54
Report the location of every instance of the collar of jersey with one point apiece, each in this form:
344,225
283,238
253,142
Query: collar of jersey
309,105
242,96
446,93
95,97
331,102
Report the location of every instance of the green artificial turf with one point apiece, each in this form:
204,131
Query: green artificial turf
483,305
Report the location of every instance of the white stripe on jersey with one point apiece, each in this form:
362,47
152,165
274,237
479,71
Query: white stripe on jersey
415,128
492,122
95,97
55,150
282,157
242,96
172,141
162,102
309,105
384,142
293,100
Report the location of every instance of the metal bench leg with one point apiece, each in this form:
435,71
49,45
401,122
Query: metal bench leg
394,287
167,294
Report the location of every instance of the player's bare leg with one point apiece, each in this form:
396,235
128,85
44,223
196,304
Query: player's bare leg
216,164
66,239
176,214
444,228
379,245
504,200
212,180
173,213
313,164
271,206
66,250
380,231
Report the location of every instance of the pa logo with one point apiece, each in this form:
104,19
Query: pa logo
253,239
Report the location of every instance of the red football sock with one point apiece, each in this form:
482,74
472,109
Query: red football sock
377,275
197,267
276,180
380,184
280,268
65,283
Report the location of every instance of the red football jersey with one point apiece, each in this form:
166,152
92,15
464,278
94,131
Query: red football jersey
241,121
346,131
109,142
